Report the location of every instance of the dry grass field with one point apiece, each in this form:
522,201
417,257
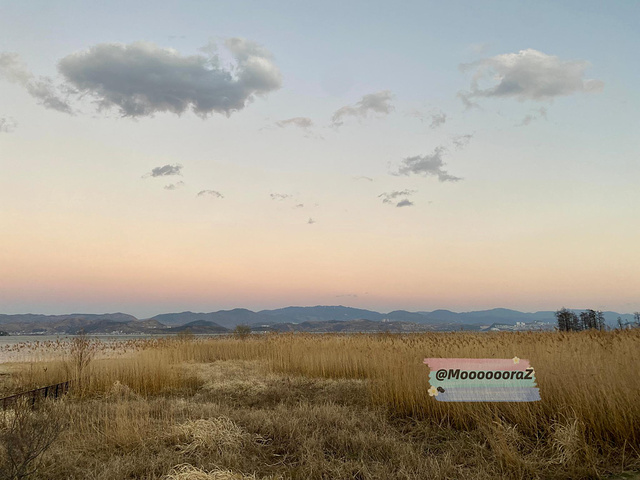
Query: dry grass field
337,406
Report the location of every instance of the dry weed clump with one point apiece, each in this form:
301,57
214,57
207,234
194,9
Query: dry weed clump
220,434
189,472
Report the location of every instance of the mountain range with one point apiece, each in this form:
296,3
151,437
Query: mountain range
318,318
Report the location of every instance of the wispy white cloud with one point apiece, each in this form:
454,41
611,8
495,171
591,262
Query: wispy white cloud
7,124
50,96
174,186
379,102
527,75
210,193
427,165
300,122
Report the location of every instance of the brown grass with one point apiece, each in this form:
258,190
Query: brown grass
355,406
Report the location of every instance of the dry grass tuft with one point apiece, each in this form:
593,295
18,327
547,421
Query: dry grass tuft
189,472
220,434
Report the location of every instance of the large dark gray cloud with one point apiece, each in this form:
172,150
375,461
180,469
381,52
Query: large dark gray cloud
141,79
527,75
165,171
47,94
427,165
379,102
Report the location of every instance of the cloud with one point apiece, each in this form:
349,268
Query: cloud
299,205
209,193
300,122
165,171
174,186
7,125
351,295
391,196
379,102
404,203
279,196
427,165
13,70
468,104
479,48
461,141
530,117
527,75
141,78
438,119
311,221
416,114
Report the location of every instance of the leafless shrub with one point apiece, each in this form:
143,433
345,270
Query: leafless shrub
25,434
81,353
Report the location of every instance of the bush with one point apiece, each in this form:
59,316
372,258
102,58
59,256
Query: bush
25,434
242,331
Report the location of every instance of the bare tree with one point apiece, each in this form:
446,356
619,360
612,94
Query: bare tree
81,354
567,320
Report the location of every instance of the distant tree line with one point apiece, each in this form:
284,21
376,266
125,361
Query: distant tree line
589,319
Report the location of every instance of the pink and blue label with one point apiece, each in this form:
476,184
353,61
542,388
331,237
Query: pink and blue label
482,380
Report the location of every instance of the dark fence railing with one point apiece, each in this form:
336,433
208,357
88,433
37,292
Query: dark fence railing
33,396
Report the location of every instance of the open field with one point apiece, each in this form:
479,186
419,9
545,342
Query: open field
329,406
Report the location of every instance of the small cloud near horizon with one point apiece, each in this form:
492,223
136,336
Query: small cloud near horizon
174,186
165,171
209,193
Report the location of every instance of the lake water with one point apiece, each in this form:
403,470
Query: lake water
14,339
29,348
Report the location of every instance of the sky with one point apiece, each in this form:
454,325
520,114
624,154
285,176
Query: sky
204,155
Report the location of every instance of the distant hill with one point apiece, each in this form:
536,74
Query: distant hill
323,313
72,323
288,317
350,326
224,318
201,327
36,318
